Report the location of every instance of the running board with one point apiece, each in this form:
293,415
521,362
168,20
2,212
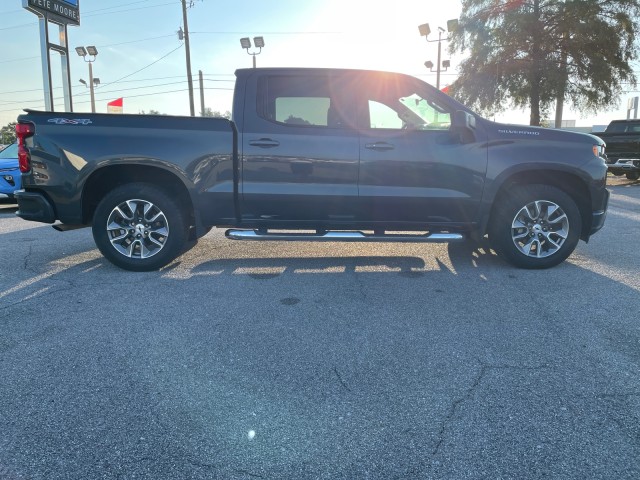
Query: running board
65,227
342,236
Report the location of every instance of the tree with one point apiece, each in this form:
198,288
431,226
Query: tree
215,113
8,134
151,112
534,53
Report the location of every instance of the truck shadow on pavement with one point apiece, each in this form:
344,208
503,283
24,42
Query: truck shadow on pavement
460,256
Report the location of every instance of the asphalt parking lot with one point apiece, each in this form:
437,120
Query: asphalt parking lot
320,361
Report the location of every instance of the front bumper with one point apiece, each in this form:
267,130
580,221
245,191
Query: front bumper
9,180
624,165
35,207
598,216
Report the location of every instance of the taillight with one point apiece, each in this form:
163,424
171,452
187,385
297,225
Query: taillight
24,131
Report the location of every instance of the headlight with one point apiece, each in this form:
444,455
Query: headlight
598,151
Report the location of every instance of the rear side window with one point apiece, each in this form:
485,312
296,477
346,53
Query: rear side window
298,100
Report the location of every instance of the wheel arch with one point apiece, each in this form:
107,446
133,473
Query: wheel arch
106,178
570,183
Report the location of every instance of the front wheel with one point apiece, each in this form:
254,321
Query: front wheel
535,226
633,175
138,227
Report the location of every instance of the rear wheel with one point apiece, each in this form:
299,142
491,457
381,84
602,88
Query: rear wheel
138,227
633,175
535,226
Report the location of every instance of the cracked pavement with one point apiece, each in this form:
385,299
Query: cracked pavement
320,361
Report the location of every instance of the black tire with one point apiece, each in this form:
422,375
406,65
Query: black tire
633,175
535,226
140,228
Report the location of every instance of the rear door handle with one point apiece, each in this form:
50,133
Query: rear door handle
264,143
380,146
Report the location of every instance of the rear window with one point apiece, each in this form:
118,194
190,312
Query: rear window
623,127
299,100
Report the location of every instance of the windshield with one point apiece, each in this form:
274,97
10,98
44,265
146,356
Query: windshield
10,152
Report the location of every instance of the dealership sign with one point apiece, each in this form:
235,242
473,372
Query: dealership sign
58,11
61,13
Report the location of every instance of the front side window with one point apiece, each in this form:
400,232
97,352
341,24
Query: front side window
397,106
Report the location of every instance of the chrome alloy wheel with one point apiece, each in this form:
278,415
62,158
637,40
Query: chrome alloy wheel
137,229
540,229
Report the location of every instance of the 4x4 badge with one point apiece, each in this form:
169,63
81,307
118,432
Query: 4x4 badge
69,121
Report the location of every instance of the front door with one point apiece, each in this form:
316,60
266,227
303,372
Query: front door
412,169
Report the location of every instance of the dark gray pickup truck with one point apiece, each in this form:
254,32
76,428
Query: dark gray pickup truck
623,147
313,154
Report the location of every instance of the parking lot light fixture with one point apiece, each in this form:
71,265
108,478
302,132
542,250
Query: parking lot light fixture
425,30
245,43
89,55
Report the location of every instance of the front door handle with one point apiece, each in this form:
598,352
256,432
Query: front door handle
264,143
380,146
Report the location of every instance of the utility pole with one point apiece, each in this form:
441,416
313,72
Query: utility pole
201,93
188,53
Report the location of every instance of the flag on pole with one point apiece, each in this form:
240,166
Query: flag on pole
115,106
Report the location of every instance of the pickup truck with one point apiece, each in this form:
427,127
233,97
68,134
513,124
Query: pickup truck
622,138
313,155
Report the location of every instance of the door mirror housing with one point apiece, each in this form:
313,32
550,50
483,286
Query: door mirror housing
463,127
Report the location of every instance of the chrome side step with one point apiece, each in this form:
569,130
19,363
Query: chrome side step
342,236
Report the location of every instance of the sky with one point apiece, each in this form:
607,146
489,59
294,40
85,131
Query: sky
141,59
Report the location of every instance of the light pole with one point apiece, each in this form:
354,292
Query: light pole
185,34
92,52
425,30
246,44
96,82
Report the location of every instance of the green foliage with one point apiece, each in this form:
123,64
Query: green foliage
532,53
215,113
151,112
8,134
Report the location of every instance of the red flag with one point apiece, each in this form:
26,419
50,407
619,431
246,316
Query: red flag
115,106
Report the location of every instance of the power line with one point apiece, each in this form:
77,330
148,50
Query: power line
147,66
102,12
102,46
18,26
41,106
135,81
221,32
119,6
129,9
138,41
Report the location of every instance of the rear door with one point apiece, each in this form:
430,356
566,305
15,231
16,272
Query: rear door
299,150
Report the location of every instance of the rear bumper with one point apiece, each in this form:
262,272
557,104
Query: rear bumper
35,207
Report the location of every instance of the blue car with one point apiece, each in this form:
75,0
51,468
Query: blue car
9,171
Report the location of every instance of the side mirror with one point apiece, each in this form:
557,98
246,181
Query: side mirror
463,127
